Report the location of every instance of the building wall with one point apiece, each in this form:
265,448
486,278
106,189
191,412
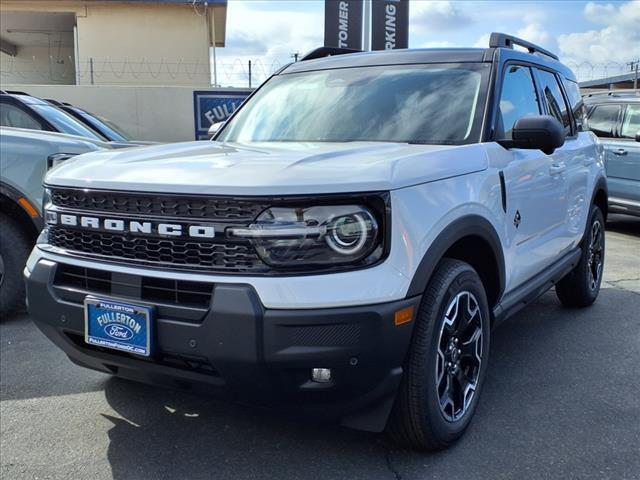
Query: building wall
138,44
124,44
38,65
163,114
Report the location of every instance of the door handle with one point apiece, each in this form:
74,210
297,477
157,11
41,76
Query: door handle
620,151
558,168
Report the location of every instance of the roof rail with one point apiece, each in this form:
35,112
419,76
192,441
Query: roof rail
327,52
502,40
16,92
57,103
620,92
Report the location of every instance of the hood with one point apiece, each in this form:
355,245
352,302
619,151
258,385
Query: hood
268,168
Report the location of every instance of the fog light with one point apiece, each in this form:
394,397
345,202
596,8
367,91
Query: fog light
321,375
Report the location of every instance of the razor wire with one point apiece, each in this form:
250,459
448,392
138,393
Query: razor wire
231,72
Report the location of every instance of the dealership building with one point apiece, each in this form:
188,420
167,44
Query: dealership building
110,42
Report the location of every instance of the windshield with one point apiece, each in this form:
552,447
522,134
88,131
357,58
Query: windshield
112,131
65,123
435,104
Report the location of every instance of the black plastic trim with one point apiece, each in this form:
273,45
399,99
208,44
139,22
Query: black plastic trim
252,354
529,291
503,40
471,225
503,191
14,195
601,186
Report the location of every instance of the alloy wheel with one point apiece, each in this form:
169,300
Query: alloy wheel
459,356
596,257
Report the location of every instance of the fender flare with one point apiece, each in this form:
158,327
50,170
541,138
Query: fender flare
15,195
470,225
601,184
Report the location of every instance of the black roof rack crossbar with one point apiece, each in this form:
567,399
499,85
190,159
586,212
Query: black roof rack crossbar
327,52
502,40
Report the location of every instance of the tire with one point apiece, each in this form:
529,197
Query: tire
14,250
417,419
580,288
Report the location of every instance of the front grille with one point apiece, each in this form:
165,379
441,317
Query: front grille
148,289
200,207
219,254
237,256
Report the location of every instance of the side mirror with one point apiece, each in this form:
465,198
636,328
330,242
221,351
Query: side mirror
638,137
538,132
214,128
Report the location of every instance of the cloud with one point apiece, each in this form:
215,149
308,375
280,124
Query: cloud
534,33
438,44
438,16
618,40
483,41
267,35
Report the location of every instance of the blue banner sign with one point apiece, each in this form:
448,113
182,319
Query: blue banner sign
210,106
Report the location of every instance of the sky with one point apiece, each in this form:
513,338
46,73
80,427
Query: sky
593,38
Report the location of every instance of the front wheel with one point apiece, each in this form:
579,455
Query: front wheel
14,250
581,286
446,363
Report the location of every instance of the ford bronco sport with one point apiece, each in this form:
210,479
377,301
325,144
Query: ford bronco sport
345,244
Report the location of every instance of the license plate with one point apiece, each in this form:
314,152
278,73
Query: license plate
116,325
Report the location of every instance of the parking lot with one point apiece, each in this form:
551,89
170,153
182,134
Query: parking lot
562,401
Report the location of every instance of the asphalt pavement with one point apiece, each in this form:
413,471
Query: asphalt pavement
562,400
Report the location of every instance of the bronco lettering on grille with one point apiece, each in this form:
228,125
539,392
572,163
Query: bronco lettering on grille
131,226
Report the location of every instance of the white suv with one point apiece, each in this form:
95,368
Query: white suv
345,245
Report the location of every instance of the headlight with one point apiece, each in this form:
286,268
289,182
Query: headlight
315,236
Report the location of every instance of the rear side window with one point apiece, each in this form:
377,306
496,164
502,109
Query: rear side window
577,105
12,116
603,120
552,95
631,122
518,98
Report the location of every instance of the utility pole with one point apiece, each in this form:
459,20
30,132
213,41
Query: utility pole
634,68
295,56
249,73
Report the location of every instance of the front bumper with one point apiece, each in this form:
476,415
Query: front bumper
236,348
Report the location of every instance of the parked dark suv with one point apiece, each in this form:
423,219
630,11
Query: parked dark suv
615,118
20,110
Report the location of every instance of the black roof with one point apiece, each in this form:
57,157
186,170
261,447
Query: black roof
392,57
500,48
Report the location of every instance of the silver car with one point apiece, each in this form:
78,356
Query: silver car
25,156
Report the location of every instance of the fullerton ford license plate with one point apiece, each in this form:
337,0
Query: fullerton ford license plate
116,325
